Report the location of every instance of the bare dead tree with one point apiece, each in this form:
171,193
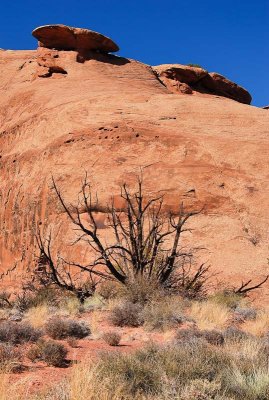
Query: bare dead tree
246,287
146,241
146,244
50,270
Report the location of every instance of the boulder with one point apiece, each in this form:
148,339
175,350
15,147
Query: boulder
62,37
219,85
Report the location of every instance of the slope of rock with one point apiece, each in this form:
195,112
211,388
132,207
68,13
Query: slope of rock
111,116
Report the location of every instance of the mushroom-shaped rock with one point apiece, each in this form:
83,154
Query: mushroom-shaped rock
219,85
62,37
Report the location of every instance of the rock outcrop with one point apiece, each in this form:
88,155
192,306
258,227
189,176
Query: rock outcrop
111,116
176,76
48,63
62,37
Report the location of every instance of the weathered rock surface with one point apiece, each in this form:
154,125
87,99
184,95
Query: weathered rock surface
48,63
110,116
174,76
62,37
219,85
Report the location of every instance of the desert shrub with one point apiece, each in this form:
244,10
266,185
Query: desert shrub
213,337
60,328
244,314
233,333
150,370
250,385
227,298
10,356
35,296
202,389
166,314
112,338
187,335
210,336
194,65
17,333
130,371
5,301
109,290
141,291
126,314
52,353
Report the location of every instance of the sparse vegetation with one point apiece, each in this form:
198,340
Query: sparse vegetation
17,333
194,65
10,357
207,346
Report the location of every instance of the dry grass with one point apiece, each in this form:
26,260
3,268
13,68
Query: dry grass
249,349
164,314
88,382
14,391
95,324
210,315
259,326
38,316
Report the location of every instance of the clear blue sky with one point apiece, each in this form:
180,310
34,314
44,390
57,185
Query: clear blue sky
230,37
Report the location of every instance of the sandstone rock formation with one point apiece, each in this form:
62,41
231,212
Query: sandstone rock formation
175,75
111,116
62,37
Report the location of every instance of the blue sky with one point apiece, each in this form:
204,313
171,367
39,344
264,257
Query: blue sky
229,37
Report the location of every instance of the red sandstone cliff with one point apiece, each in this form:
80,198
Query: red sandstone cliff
63,112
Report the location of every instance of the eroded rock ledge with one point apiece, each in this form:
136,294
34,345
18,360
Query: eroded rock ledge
186,79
